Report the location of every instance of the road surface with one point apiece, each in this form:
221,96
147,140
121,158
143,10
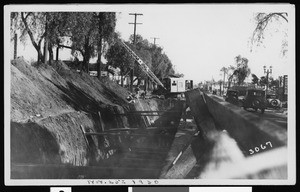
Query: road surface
276,116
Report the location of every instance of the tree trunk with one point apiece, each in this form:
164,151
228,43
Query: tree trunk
40,56
122,80
99,57
86,56
36,46
145,83
100,18
50,53
15,45
45,51
57,52
85,63
139,82
46,43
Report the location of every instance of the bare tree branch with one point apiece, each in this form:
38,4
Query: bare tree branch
28,30
263,20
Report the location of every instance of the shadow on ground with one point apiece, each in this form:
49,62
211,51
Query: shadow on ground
32,143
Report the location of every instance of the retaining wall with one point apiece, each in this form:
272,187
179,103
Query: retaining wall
249,130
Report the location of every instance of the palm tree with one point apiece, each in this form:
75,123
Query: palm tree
231,75
225,71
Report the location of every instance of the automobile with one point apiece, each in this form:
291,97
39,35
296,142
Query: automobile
273,101
233,97
255,99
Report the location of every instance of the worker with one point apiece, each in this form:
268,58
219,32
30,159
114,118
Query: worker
137,90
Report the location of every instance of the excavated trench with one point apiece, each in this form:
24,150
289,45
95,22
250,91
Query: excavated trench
146,140
129,142
66,125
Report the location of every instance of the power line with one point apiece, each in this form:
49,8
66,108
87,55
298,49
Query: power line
154,38
135,23
134,34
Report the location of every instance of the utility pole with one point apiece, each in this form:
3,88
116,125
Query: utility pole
135,23
267,71
134,39
15,45
154,38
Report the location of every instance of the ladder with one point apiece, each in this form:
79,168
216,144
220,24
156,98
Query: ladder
142,65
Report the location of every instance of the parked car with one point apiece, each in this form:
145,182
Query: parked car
273,101
255,99
233,97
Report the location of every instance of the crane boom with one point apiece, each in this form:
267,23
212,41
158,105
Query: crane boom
143,65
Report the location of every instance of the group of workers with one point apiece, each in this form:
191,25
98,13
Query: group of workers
138,94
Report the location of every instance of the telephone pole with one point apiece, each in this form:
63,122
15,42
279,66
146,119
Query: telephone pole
154,38
134,39
267,71
135,23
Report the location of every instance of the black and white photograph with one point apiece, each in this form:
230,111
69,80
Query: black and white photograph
149,94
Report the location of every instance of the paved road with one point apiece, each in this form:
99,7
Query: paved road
275,116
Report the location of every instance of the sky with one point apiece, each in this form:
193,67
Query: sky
200,39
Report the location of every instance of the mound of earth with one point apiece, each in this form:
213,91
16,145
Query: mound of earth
49,103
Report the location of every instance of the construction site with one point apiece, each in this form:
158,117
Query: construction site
71,123
67,125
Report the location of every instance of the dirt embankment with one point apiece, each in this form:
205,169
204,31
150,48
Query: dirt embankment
48,105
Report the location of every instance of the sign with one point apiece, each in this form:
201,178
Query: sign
103,73
285,84
93,73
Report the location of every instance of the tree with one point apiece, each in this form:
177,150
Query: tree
161,64
262,21
153,56
117,56
55,31
225,71
231,70
106,28
255,79
157,61
273,83
38,26
263,81
242,70
79,28
33,25
84,35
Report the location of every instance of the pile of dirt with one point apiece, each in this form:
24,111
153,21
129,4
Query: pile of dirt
49,103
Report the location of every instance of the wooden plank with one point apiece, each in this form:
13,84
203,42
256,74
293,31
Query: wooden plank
126,114
101,122
131,134
138,112
121,129
84,135
135,129
155,149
